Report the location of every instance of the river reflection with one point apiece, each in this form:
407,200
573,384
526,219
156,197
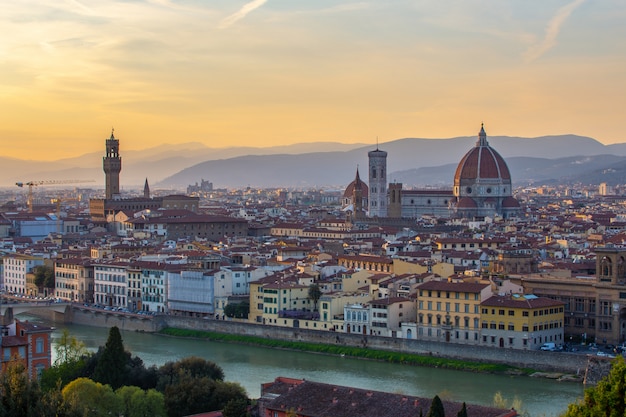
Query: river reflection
251,366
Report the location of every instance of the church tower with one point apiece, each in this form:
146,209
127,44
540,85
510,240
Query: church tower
377,183
357,198
146,190
112,165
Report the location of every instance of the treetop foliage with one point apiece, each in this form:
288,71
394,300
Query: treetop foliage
607,399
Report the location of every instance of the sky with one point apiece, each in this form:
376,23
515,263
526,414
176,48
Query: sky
275,72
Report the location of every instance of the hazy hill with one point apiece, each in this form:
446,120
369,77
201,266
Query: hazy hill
418,162
426,162
154,163
528,170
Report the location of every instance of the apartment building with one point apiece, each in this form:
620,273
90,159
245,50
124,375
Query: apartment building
29,343
521,321
450,311
16,267
74,280
111,284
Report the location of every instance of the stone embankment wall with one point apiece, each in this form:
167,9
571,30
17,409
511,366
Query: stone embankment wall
544,361
101,318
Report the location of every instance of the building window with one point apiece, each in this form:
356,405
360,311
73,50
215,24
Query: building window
39,345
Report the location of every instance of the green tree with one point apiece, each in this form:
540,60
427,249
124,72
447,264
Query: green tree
69,349
238,310
236,408
44,276
436,408
463,411
193,385
111,365
605,399
500,402
84,397
20,396
195,395
189,396
140,403
193,366
314,294
62,373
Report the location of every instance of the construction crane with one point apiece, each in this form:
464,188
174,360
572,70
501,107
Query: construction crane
32,184
58,201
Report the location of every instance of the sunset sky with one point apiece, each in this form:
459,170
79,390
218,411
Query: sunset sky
275,72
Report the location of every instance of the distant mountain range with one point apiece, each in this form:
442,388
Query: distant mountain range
414,162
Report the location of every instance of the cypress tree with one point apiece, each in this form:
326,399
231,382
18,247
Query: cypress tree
463,411
436,408
111,366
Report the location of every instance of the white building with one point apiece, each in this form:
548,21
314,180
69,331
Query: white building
388,314
154,287
16,266
191,293
111,284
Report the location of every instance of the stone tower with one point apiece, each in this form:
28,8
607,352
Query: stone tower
146,190
377,183
112,165
394,209
357,198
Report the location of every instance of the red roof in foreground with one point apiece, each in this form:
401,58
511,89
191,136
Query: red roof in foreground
316,399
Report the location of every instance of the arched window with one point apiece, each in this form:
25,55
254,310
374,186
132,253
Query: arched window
606,267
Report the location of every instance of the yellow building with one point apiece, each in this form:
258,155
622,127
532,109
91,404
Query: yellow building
450,311
280,300
357,281
521,321
74,280
332,308
371,263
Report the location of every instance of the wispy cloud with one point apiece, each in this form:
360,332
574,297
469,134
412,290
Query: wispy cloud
241,13
552,31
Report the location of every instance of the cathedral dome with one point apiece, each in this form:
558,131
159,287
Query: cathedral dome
481,162
482,183
349,192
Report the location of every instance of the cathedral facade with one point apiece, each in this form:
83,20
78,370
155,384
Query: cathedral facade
481,188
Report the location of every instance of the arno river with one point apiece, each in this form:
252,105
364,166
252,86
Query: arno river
251,366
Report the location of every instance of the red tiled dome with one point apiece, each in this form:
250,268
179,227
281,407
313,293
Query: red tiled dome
482,161
350,188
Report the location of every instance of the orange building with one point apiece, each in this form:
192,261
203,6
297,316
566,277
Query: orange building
28,343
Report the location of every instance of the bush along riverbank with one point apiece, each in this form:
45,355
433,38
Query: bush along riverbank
355,352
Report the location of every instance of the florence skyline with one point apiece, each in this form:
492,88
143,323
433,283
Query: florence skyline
269,73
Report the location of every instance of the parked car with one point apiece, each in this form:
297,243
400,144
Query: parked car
551,347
